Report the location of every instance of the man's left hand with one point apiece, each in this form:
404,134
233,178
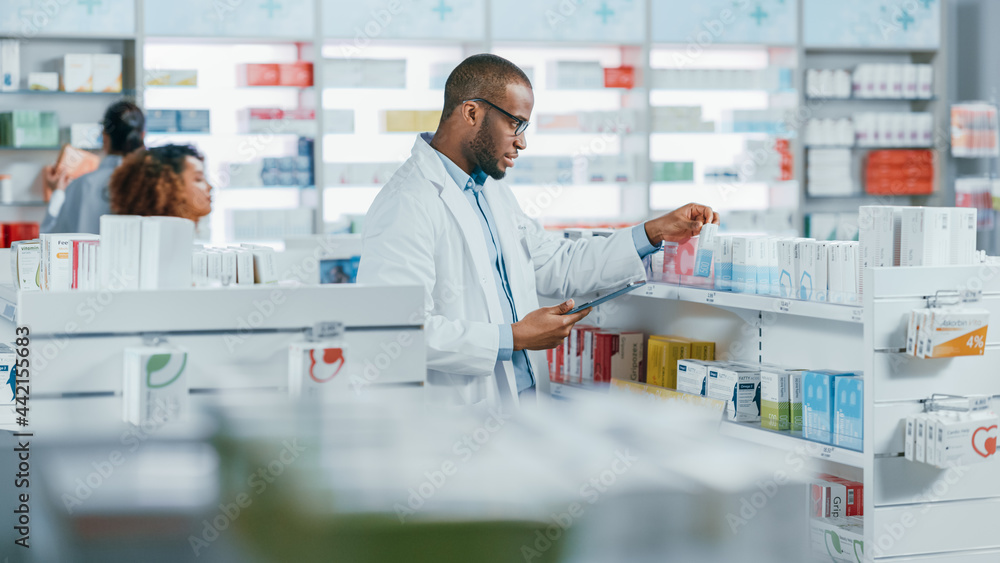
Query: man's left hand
680,224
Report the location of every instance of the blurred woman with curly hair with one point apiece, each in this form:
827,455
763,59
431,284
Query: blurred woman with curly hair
164,181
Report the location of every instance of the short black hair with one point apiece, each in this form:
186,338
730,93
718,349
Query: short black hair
480,76
124,124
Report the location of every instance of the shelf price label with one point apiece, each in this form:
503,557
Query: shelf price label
784,306
827,452
650,290
857,315
710,297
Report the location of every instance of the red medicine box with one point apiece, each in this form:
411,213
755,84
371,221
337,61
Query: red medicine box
260,75
299,74
619,77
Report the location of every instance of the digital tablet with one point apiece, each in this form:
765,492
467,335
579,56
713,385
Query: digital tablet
608,297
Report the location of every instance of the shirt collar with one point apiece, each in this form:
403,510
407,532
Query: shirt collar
110,161
475,182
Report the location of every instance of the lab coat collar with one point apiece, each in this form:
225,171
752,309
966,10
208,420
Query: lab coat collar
451,194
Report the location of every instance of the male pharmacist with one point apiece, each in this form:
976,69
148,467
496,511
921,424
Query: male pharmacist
446,222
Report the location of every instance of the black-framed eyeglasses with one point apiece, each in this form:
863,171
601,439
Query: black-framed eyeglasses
521,124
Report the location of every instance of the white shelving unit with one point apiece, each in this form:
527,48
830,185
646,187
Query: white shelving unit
77,337
913,512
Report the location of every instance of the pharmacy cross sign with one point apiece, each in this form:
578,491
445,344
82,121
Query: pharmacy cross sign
442,9
927,3
758,15
271,6
905,19
90,5
605,12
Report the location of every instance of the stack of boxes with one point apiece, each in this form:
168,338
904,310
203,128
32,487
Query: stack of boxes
28,128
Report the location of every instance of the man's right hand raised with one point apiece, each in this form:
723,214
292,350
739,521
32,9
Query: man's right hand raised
546,327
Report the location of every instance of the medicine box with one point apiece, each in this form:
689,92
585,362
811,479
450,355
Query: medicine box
828,499
313,366
299,73
723,259
706,246
775,413
855,505
155,384
795,400
43,81
106,71
26,258
849,409
833,540
744,262
692,376
10,65
627,359
194,120
739,386
78,73
818,404
804,263
963,235
787,281
925,239
964,438
663,353
259,75
162,120
954,332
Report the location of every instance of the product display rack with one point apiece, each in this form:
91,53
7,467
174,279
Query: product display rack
40,53
848,57
922,501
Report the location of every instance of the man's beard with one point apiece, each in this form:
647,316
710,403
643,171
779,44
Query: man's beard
484,151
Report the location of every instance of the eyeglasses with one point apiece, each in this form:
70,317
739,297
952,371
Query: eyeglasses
521,124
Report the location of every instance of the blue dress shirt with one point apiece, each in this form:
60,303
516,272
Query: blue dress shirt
472,187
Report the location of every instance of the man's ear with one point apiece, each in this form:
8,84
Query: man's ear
470,113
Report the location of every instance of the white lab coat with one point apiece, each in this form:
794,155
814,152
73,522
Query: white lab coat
421,230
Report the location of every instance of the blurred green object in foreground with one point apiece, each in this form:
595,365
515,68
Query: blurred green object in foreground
377,539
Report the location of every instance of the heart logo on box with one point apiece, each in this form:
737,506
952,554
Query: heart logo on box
328,366
989,442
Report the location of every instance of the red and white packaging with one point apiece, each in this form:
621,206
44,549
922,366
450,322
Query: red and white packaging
555,357
828,499
259,75
855,505
587,353
299,73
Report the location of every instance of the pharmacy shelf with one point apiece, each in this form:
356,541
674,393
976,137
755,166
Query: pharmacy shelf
64,93
25,204
831,99
849,49
860,148
752,432
852,313
574,391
